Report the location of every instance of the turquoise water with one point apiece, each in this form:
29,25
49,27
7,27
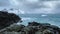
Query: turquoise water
53,19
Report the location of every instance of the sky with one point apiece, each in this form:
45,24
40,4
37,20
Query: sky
32,6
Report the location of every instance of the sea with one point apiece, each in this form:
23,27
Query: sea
53,19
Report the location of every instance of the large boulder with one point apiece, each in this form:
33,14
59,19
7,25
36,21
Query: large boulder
7,19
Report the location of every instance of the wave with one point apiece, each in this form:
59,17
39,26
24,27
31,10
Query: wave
43,15
26,18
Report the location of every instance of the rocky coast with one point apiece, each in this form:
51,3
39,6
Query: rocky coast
6,19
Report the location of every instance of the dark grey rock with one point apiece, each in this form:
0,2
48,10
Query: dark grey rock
7,19
45,28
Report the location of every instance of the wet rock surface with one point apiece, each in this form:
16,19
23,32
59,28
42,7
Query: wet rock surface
7,19
35,28
44,28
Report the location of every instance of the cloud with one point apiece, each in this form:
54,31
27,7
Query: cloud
4,3
35,6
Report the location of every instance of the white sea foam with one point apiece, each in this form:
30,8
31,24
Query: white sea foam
26,18
43,15
18,23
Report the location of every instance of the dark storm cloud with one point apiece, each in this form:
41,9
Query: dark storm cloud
34,6
39,6
49,0
57,8
4,3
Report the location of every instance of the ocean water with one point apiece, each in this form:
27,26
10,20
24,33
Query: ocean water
53,19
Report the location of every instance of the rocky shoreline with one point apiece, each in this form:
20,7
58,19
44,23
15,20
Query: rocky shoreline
34,28
7,19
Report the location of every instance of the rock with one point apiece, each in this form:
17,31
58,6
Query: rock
33,24
16,28
44,28
7,19
36,28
